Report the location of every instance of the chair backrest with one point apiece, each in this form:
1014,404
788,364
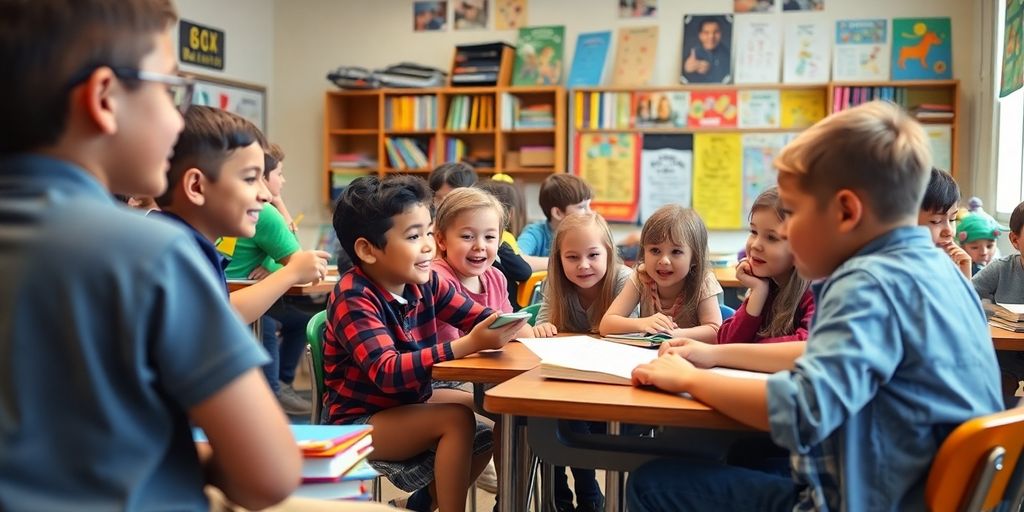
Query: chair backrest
315,338
727,312
532,309
975,463
526,291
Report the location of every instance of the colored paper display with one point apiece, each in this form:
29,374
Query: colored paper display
759,151
758,49
862,50
661,109
666,172
713,108
922,49
609,163
1012,77
634,56
759,108
509,14
807,53
539,56
801,108
717,179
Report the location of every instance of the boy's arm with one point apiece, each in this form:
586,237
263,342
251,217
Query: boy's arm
278,202
253,301
756,357
529,246
254,467
987,280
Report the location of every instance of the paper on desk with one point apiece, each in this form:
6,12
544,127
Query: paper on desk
589,359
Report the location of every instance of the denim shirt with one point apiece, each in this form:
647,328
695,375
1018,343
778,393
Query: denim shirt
899,355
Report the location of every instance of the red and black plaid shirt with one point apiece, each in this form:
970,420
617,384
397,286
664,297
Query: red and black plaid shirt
379,352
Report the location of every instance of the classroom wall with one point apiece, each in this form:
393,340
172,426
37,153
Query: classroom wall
249,39
312,37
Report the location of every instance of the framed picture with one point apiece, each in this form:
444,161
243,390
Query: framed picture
246,100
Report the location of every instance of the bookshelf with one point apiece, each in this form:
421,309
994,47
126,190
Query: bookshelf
493,128
911,95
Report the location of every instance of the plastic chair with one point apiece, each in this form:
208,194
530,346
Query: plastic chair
976,466
532,309
527,291
727,312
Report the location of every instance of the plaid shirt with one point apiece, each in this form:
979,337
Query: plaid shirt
379,351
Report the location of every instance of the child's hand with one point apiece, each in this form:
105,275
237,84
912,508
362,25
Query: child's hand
658,322
702,355
308,266
669,372
486,338
545,330
258,273
960,257
745,275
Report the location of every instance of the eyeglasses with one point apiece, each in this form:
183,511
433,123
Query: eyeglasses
180,88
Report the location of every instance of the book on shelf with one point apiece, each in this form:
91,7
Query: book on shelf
587,359
588,61
539,56
660,109
351,161
467,112
639,339
410,112
406,153
603,110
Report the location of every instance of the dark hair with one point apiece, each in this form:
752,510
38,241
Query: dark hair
272,157
942,192
453,174
50,46
1017,219
561,190
512,199
209,137
366,207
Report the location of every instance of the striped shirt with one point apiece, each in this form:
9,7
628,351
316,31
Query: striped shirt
380,349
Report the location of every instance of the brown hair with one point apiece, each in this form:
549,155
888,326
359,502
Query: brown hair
876,149
49,47
561,190
1017,219
209,138
681,226
781,320
512,199
462,200
558,287
453,174
272,157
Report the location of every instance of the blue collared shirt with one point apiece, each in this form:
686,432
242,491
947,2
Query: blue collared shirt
217,260
899,355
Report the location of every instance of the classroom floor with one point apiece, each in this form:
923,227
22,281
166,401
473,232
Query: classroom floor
484,500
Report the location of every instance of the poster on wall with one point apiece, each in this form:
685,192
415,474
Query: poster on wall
758,43
862,50
741,6
808,48
609,163
634,56
707,49
803,5
1012,77
666,172
470,14
246,100
638,8
429,16
922,49
718,179
509,14
539,56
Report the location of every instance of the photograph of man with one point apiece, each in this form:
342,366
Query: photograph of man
707,49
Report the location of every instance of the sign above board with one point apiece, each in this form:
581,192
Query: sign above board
201,46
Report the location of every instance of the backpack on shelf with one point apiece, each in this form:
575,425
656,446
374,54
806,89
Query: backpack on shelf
353,77
408,74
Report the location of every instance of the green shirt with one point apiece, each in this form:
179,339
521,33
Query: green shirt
272,243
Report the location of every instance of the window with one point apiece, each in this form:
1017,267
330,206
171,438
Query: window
1009,161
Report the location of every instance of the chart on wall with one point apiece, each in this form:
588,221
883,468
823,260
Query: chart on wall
609,163
922,49
718,180
634,56
248,101
862,50
758,49
759,151
807,53
666,172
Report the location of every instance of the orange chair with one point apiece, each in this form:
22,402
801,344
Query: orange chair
527,290
976,466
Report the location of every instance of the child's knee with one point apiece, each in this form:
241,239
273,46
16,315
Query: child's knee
457,418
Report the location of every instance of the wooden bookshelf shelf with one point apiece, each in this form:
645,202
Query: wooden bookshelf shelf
356,122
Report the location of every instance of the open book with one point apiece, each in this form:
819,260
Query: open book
592,360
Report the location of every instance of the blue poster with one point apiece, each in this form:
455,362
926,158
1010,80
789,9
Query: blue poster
588,61
922,49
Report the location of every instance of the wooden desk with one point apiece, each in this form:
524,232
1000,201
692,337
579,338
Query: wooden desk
489,367
727,277
325,286
1006,340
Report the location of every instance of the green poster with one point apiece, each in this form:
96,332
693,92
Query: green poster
539,56
1012,76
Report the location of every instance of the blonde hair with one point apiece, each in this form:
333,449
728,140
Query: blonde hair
461,200
781,320
558,287
875,148
681,226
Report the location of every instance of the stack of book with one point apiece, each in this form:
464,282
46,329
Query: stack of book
1007,316
535,116
933,112
410,113
405,153
470,113
334,463
351,161
477,64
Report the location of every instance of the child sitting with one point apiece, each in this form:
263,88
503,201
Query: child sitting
560,195
865,408
938,213
673,284
977,233
381,342
780,305
509,260
450,176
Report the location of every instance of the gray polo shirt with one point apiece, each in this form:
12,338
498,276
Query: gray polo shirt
111,327
1001,280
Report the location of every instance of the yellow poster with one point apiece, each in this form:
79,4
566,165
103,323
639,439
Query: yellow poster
718,179
801,107
609,163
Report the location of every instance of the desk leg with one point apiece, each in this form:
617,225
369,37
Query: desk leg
613,479
508,484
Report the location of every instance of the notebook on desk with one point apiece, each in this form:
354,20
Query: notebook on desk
639,339
589,359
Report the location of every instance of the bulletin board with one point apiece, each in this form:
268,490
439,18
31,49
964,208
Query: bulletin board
246,100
